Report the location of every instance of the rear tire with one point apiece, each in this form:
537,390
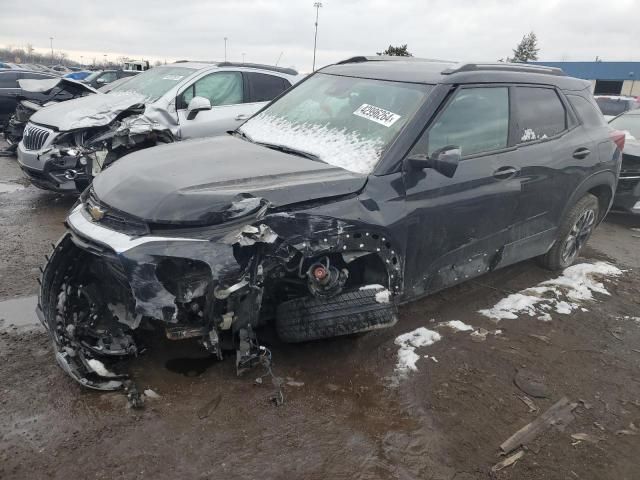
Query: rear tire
311,318
574,231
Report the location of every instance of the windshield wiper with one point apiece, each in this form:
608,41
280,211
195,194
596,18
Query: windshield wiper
292,151
238,133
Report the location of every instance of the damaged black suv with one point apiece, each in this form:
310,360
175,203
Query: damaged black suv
373,182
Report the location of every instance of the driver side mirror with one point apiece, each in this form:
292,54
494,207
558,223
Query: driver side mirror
444,160
101,80
196,105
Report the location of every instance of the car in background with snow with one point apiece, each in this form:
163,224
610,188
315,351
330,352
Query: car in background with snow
66,145
614,105
373,182
10,89
627,196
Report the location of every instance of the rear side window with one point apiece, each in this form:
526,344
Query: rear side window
265,88
476,120
587,110
541,114
8,80
221,88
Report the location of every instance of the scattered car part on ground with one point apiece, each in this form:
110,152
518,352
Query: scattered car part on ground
68,144
36,94
371,183
628,192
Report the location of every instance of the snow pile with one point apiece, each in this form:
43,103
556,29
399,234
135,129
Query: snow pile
336,147
383,296
408,342
577,283
457,325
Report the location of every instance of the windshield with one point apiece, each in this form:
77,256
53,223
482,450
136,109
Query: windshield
155,82
92,76
627,123
344,121
613,106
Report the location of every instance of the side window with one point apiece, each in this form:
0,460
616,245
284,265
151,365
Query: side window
34,76
8,80
541,114
221,88
265,87
476,120
587,110
109,77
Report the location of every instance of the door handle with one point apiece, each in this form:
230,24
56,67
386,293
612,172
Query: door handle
581,153
242,116
505,173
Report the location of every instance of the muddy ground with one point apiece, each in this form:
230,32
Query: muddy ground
340,419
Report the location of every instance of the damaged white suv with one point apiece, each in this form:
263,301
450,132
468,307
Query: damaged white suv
66,145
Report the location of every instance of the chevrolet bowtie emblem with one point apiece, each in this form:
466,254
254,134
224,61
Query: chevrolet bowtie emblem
96,212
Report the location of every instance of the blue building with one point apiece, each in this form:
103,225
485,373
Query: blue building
607,78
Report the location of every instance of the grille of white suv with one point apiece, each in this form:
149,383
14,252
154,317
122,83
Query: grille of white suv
34,137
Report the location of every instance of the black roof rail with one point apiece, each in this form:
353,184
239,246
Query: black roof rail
504,67
288,71
388,58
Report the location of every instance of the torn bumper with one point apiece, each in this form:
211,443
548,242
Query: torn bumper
627,195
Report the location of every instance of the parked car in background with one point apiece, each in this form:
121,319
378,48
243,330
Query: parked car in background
628,192
613,105
79,75
36,94
371,183
9,90
67,144
103,77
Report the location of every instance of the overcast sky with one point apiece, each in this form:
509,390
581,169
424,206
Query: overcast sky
448,29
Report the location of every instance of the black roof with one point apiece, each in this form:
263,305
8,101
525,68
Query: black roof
418,70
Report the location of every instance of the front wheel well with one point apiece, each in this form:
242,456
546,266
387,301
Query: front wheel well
604,194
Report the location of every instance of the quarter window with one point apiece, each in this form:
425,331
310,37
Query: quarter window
265,87
221,88
541,114
476,120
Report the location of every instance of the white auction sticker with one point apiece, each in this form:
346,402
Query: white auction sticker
377,114
175,78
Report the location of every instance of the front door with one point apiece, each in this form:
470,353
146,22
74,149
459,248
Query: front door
225,91
459,226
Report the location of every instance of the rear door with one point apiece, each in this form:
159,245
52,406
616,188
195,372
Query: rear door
459,225
226,92
551,148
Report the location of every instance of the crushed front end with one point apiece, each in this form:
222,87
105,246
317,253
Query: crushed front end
112,279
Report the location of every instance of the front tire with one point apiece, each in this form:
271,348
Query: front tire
574,231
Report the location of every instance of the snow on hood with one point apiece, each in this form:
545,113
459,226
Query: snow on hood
336,147
43,86
89,111
562,294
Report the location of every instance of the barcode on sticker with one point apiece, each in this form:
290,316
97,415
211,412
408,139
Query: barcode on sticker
377,114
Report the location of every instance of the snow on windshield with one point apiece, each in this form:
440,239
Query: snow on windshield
344,121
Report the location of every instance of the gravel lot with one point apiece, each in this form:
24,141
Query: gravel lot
342,416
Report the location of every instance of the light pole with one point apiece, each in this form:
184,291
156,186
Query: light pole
225,49
105,59
81,61
243,54
51,41
317,6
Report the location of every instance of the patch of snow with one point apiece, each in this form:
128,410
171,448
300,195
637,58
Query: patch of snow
545,317
408,342
479,335
457,325
371,287
98,367
336,147
383,296
577,283
432,358
151,394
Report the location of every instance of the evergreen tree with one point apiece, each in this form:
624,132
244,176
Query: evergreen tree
400,51
526,50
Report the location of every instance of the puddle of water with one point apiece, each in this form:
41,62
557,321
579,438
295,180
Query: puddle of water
190,367
7,187
19,312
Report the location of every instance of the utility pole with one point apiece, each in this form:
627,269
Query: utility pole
51,40
317,6
225,49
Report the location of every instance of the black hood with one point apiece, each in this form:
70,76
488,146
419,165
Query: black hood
203,182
